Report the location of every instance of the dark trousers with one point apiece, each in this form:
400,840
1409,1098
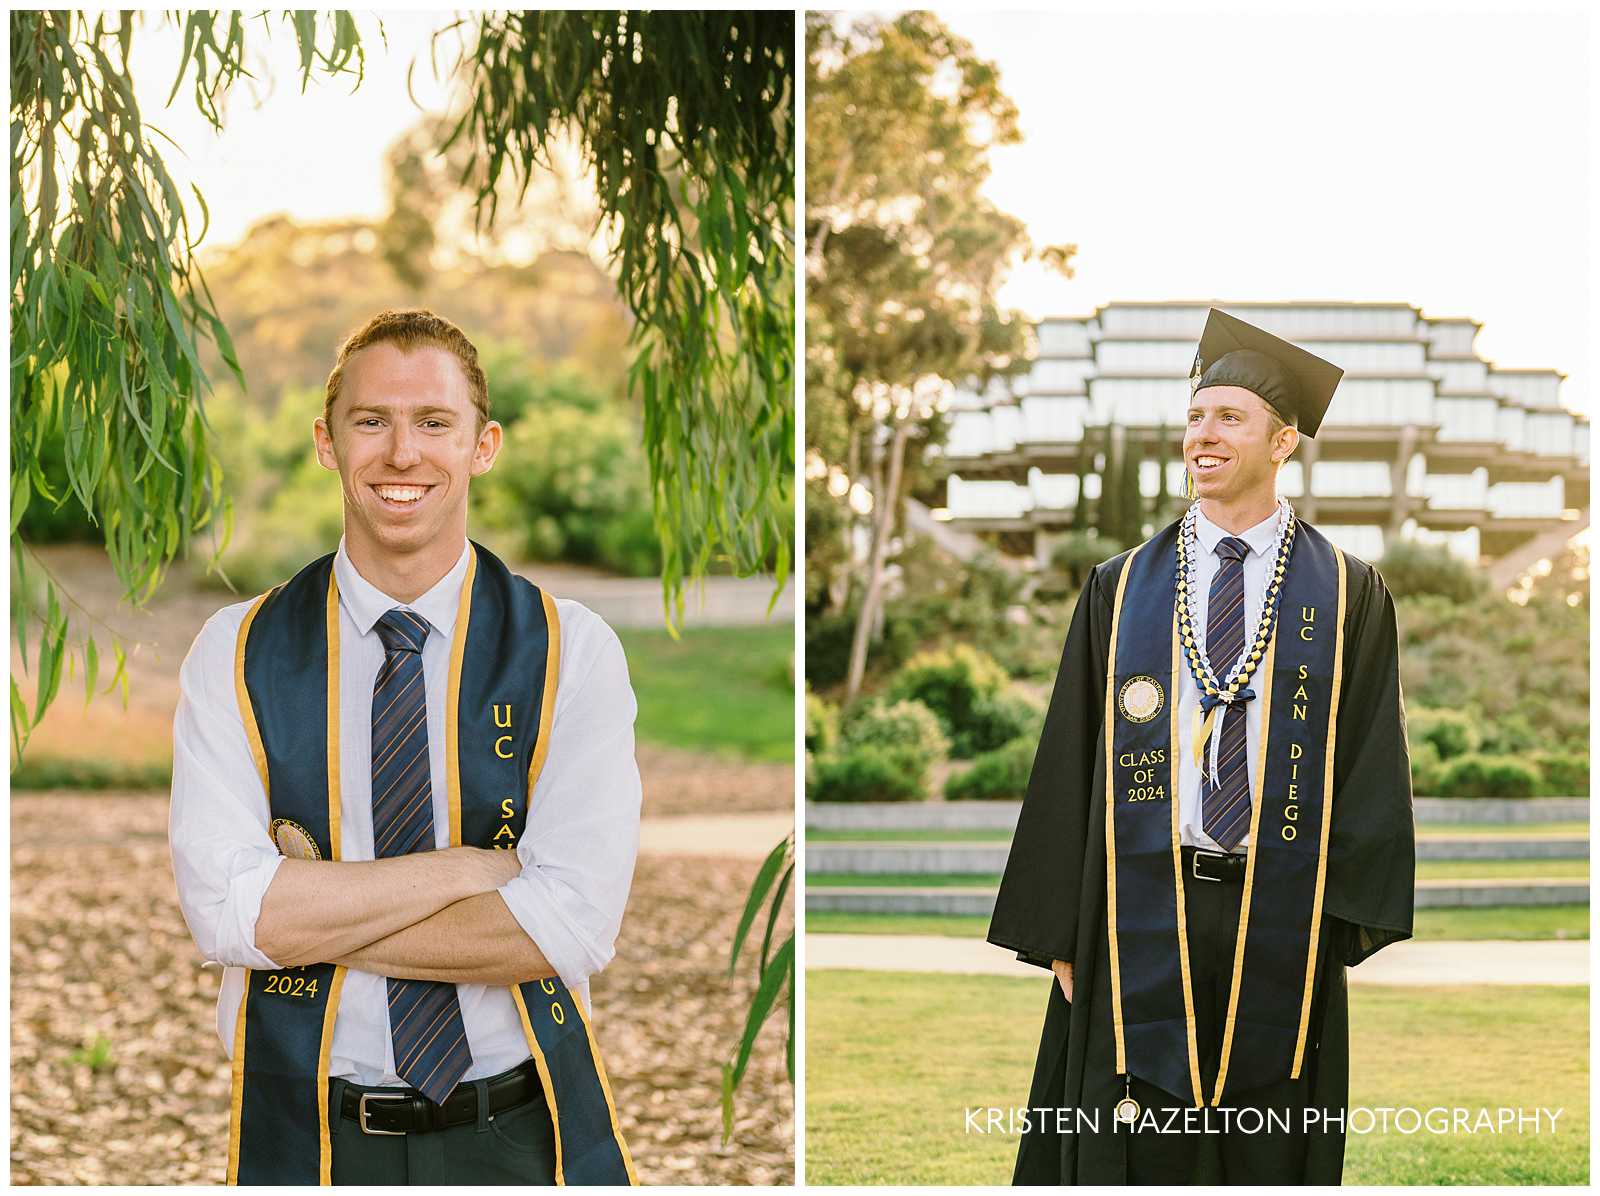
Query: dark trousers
514,1146
1225,1152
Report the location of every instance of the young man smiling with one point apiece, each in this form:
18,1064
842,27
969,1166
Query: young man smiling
404,817
1218,820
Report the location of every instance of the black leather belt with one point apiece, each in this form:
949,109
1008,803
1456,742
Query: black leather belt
1214,865
407,1111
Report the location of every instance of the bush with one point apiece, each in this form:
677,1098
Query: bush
998,775
571,484
906,724
1452,733
1424,769
871,772
995,721
1564,775
1410,569
1487,776
822,724
950,683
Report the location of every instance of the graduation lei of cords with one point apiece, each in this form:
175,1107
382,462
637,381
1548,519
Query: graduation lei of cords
1215,695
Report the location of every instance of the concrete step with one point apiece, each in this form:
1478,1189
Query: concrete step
1431,894
988,858
1002,815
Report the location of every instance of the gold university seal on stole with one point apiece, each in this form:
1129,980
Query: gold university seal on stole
1140,699
293,840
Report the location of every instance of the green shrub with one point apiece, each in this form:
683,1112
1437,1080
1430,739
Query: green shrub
1424,769
61,772
995,721
1081,551
1451,732
905,724
1487,776
1410,569
822,724
998,775
571,484
871,772
1564,775
949,683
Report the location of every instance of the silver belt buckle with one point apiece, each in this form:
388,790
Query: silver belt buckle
361,1113
1194,866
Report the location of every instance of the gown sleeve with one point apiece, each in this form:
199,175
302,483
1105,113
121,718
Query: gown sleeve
1036,910
1370,890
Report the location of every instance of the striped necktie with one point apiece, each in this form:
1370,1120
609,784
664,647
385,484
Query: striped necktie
1225,805
430,1040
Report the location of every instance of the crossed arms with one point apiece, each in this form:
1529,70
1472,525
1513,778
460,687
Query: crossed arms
552,907
435,915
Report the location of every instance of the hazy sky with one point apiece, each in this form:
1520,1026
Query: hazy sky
1258,154
315,156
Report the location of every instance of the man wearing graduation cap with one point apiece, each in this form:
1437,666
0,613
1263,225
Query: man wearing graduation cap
1219,819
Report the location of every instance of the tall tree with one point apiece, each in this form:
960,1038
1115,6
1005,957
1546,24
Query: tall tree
684,119
904,253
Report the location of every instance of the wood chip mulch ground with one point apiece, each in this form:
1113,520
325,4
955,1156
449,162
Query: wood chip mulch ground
118,1076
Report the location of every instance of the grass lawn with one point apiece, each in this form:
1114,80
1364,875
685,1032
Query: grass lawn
1424,831
1501,869
1490,922
720,689
895,1059
909,880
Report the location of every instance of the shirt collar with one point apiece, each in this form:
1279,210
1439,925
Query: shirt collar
366,603
1261,537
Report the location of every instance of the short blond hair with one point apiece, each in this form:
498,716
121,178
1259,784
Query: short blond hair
409,329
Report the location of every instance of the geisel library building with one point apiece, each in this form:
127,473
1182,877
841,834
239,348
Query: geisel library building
1425,440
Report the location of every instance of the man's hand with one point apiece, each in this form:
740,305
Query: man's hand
319,910
1063,971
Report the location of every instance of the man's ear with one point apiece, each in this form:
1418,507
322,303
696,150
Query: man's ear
1284,443
324,442
490,438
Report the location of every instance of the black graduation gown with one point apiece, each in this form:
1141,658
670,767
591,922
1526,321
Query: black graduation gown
1052,898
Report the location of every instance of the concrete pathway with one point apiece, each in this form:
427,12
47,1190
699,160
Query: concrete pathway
1483,962
729,836
636,601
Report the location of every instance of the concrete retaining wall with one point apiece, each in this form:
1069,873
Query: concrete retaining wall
1002,815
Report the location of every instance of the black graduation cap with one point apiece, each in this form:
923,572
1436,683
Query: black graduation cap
1296,384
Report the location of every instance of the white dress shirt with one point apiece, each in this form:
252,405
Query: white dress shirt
577,850
1262,538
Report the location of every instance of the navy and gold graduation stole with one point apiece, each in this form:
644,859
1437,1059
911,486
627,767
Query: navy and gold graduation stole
500,699
1297,683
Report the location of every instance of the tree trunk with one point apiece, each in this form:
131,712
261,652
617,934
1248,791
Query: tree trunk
885,503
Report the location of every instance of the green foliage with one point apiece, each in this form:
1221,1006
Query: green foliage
1079,552
1521,672
1450,732
571,482
872,772
1001,774
775,969
1478,775
108,305
903,724
686,120
87,772
1424,768
996,720
828,644
1410,570
1564,775
95,1054
950,682
822,724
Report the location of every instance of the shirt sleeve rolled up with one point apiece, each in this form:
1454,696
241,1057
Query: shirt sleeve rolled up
223,857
